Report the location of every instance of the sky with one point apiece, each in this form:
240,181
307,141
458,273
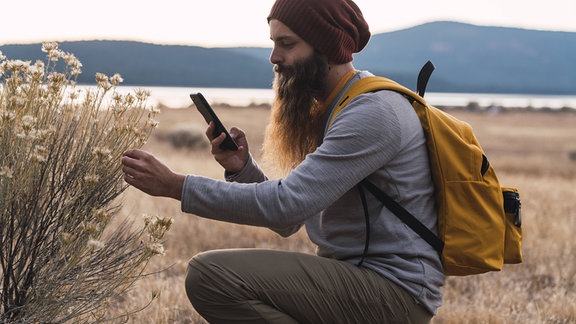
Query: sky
222,23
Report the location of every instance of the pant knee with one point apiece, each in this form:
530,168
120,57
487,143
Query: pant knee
192,283
196,284
206,281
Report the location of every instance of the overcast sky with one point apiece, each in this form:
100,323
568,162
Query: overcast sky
214,23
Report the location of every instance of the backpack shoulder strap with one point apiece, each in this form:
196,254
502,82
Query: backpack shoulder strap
404,215
370,84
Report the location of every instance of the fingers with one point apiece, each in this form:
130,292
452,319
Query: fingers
131,158
129,180
236,133
210,131
130,171
239,136
140,170
215,143
136,154
134,164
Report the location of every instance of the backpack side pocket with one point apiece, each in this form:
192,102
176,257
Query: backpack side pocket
513,237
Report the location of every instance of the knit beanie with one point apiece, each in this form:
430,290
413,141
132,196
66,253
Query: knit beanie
335,28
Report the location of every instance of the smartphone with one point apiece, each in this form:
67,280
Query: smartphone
209,115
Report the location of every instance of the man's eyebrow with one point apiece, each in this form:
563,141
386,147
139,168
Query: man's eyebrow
282,38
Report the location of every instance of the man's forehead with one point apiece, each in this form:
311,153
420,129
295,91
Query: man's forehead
279,31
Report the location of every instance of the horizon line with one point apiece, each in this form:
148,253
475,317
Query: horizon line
248,44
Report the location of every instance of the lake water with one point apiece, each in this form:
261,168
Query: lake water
178,97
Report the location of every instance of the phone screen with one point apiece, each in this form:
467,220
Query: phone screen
209,115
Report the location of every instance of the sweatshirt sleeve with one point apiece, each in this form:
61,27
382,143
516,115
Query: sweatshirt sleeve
360,140
250,173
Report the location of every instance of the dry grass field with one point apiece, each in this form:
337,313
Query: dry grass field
534,151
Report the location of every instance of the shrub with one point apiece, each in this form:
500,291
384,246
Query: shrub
185,136
63,253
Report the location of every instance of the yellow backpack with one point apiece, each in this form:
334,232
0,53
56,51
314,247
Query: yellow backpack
479,224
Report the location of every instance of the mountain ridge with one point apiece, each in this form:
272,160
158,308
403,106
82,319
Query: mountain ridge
468,58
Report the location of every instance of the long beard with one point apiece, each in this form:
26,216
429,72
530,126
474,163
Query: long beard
294,129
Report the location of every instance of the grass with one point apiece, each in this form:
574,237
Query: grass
530,150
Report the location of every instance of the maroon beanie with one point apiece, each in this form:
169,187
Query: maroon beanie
335,28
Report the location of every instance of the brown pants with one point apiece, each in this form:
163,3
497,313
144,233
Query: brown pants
268,286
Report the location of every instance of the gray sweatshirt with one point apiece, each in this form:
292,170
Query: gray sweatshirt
377,135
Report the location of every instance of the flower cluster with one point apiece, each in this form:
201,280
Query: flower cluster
60,177
156,228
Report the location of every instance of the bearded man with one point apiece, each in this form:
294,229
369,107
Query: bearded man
376,136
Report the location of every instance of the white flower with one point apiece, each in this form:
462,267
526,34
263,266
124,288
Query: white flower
71,60
74,94
73,63
155,110
17,65
5,171
116,79
49,46
155,248
103,81
152,122
36,72
44,134
89,227
19,100
157,227
54,55
7,116
39,64
102,153
142,94
39,158
67,238
91,179
117,97
101,77
56,81
129,99
27,122
102,215
40,153
95,244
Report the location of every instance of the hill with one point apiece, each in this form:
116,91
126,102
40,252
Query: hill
468,58
159,65
471,58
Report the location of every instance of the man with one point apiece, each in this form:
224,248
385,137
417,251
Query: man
377,135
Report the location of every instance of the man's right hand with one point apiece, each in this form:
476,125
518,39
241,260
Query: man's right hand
231,161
